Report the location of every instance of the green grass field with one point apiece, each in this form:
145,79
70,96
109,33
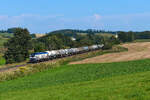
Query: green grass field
2,61
6,35
2,41
4,38
105,34
101,34
111,81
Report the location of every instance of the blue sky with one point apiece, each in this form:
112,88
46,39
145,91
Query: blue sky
41,16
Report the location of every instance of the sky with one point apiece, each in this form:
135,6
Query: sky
41,16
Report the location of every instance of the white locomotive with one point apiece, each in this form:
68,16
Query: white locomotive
49,55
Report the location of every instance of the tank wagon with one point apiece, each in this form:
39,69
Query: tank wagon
50,55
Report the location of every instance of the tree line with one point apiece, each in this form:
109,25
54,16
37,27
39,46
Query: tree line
9,30
131,36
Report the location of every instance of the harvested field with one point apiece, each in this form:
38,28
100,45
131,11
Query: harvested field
135,51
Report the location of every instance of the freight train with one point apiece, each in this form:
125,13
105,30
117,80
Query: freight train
50,55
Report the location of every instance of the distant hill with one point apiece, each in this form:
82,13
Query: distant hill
74,33
67,32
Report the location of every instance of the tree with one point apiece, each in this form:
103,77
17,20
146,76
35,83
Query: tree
18,46
143,35
114,40
126,36
39,47
122,36
131,36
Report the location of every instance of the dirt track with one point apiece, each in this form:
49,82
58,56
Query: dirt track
135,51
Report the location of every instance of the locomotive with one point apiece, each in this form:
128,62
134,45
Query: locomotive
50,55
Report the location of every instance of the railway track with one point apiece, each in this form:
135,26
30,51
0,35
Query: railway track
22,65
17,66
11,67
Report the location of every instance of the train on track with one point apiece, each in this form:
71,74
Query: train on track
50,55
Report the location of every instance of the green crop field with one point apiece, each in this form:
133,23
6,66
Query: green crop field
111,81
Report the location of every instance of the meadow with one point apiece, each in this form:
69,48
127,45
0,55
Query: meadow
2,61
2,41
109,81
3,38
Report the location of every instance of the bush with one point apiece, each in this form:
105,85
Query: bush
107,46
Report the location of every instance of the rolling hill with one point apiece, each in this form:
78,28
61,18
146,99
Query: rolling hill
106,81
111,81
74,32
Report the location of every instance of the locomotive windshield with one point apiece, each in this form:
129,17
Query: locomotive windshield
33,54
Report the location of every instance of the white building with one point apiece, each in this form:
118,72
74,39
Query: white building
116,36
73,39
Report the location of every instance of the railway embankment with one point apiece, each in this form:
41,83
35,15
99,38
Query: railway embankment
10,73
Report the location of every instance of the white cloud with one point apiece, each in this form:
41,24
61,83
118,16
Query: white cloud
2,17
34,22
46,23
97,16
